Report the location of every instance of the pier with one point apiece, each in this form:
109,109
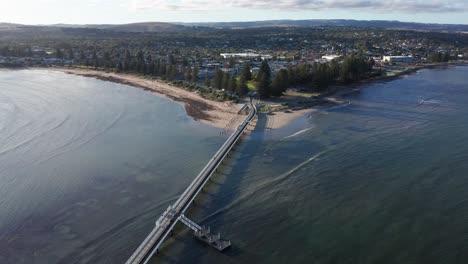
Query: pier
176,212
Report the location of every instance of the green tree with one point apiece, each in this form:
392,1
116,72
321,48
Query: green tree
185,62
263,86
58,53
140,61
71,54
207,80
218,79
246,71
188,73
280,83
231,62
127,60
232,84
225,84
242,87
195,73
264,80
264,70
95,59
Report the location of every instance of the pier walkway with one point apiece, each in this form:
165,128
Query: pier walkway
175,213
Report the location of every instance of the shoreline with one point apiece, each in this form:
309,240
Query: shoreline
224,115
337,95
208,112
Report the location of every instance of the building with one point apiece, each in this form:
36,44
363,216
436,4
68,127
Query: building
245,55
330,57
393,59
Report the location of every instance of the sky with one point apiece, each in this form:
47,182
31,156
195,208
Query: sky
130,11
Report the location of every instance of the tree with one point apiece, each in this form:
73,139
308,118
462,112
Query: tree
263,86
292,76
264,80
173,72
140,61
446,57
225,84
107,60
354,68
71,55
82,57
195,73
188,73
246,71
162,70
279,83
58,53
95,59
119,67
127,60
232,84
171,59
264,70
242,87
207,80
157,66
185,62
231,62
218,79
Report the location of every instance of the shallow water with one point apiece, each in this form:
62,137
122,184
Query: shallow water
86,166
86,169
383,179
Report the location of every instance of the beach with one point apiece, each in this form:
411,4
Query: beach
216,114
224,114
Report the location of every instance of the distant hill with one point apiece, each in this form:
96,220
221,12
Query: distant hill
9,25
336,22
169,28
18,31
155,27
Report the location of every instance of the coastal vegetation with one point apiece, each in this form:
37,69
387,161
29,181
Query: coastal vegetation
191,58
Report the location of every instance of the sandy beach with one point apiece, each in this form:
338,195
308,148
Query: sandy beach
224,114
217,114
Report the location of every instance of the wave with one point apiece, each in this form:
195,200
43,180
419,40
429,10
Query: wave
297,133
34,137
263,187
338,106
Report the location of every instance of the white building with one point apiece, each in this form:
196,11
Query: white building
245,55
398,59
330,57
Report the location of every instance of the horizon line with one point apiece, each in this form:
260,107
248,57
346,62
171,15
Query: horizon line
234,21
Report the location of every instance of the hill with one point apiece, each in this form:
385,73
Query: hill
337,22
155,27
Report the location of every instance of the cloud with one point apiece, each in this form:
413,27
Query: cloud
428,6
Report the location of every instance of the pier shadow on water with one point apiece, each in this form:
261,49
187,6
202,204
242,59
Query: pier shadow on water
213,204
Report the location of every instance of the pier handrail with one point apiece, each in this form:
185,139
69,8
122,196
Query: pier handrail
167,221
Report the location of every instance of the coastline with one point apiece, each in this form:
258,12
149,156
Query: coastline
224,115
212,113
337,95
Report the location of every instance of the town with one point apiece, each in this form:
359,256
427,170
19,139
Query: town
222,65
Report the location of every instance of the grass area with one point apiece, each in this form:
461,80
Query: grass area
251,85
393,72
302,94
274,108
208,93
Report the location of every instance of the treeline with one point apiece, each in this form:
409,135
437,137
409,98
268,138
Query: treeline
439,57
316,76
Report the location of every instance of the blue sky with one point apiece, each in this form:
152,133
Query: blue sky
127,11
